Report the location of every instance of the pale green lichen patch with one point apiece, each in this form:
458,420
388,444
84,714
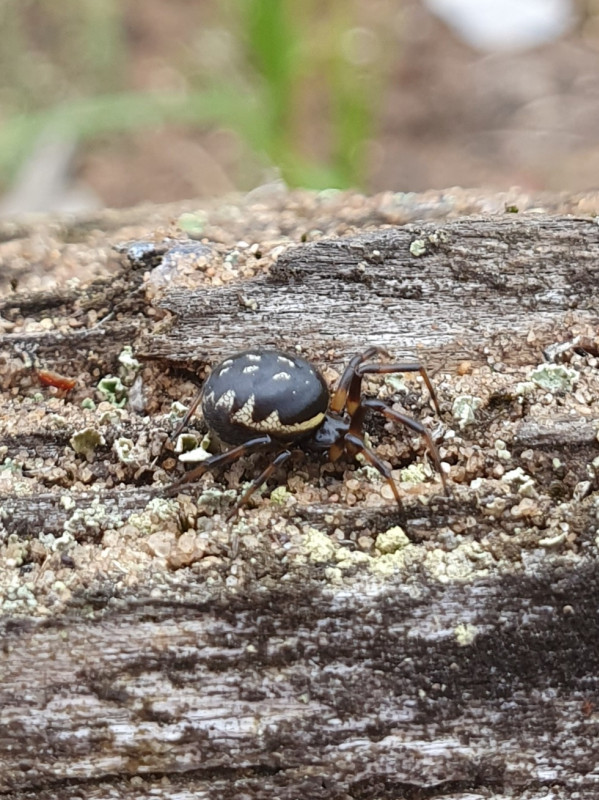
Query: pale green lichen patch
177,412
318,546
113,389
94,517
85,442
524,388
214,499
279,495
391,541
555,378
191,449
396,383
186,443
418,248
415,473
127,359
54,543
461,564
156,514
465,633
193,223
463,409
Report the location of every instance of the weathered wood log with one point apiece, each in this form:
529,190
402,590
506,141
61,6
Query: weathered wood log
324,644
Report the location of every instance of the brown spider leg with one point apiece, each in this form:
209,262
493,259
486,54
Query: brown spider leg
403,419
188,415
257,482
357,445
343,387
385,369
220,459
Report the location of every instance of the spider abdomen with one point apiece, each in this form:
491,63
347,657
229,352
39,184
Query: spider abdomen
264,392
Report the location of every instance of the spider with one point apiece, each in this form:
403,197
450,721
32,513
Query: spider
272,400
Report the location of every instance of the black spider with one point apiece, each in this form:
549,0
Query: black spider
271,399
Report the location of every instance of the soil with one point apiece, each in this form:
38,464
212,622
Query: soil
92,456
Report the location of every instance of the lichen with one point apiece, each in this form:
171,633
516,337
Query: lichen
463,409
318,546
465,633
85,442
415,473
521,481
279,495
555,378
124,448
418,248
392,540
113,389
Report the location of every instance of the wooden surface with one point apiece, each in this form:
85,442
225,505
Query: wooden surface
299,655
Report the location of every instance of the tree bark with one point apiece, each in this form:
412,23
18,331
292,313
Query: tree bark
311,649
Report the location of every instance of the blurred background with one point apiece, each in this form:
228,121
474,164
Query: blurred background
117,102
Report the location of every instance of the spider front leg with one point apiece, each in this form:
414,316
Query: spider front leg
349,390
353,400
218,460
355,444
381,406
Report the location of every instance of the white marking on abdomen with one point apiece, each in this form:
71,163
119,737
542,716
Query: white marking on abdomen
286,361
226,400
281,376
272,423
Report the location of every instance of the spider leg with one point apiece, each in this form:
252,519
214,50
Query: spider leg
220,459
385,369
188,415
343,387
357,445
403,419
257,482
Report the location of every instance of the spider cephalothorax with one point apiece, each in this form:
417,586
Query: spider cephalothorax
268,399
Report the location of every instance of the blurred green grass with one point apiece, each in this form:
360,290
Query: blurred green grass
63,69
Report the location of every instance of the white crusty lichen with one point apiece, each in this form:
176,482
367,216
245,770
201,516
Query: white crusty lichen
192,450
95,516
523,483
124,449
